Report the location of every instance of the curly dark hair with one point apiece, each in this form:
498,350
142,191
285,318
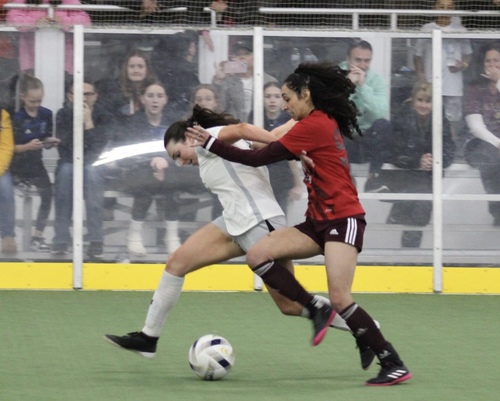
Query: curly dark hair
204,117
330,92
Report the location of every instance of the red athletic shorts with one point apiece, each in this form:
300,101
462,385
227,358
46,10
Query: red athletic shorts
349,230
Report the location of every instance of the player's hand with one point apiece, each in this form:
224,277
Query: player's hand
306,161
198,134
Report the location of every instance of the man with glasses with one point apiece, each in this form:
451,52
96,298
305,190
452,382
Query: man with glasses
97,128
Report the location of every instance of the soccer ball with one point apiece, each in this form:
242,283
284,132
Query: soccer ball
211,357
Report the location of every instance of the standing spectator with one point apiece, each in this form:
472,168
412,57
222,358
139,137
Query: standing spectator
98,126
372,100
412,129
7,204
482,112
28,20
32,133
456,57
235,89
175,62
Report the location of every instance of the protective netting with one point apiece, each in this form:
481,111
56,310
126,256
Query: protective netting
290,14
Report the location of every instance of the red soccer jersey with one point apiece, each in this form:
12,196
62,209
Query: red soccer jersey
331,191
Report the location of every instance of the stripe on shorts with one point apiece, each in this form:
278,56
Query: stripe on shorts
352,230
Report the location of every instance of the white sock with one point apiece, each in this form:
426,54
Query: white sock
164,299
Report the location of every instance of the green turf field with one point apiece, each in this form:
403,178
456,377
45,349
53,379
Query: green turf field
51,349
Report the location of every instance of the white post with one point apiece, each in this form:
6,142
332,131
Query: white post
78,159
437,159
258,96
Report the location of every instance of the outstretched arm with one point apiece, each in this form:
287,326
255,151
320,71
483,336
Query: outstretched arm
272,153
233,133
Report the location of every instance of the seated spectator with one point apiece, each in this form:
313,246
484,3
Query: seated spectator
412,130
28,20
32,133
372,100
235,86
481,109
152,175
456,55
7,203
98,126
285,176
205,96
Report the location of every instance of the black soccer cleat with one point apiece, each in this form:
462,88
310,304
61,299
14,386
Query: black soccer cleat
390,373
137,342
392,369
366,354
321,317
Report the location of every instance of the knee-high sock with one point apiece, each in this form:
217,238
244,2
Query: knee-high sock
279,278
164,299
363,327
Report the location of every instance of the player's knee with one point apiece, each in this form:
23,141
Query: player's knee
177,266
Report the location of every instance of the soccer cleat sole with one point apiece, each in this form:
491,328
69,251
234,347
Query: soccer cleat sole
322,333
147,355
401,379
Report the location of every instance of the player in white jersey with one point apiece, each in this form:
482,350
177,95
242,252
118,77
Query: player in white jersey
250,212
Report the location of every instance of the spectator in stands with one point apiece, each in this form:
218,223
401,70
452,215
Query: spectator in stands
152,174
28,20
123,98
175,62
205,96
7,203
372,100
32,126
285,176
412,130
456,57
235,86
98,126
482,108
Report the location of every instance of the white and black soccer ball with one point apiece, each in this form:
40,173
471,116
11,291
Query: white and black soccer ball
211,357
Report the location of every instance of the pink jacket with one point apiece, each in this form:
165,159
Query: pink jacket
26,20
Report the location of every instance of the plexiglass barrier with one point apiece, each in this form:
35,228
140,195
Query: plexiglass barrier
124,88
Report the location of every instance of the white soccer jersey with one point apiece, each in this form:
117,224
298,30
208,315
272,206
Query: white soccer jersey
244,192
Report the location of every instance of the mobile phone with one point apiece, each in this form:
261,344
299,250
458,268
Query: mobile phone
235,67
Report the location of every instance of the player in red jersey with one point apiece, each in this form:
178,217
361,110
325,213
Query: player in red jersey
317,96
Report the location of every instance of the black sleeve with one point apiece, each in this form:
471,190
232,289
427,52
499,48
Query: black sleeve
272,153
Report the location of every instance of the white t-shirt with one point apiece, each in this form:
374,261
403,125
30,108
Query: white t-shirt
453,49
244,192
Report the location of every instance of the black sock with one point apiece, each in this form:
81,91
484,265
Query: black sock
279,278
364,328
